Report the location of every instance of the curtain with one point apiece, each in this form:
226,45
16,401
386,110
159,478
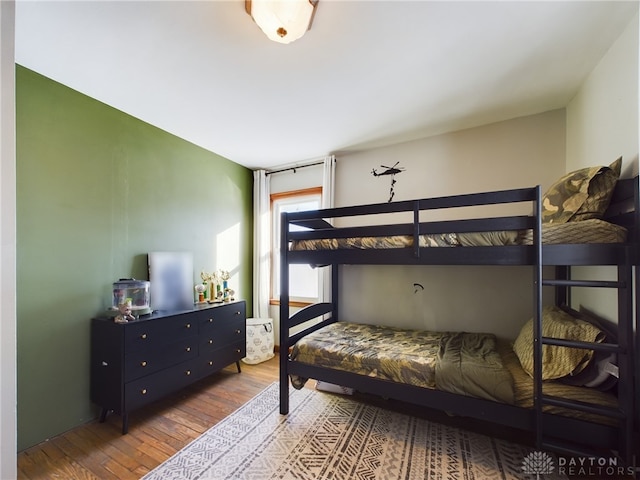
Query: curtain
262,244
328,197
328,181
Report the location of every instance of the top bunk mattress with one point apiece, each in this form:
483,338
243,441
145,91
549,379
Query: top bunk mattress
587,231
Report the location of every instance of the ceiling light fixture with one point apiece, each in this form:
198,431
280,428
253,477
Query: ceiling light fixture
283,21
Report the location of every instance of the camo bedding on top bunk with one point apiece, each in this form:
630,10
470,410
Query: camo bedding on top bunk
469,364
586,231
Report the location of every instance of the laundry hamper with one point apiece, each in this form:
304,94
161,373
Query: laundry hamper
259,340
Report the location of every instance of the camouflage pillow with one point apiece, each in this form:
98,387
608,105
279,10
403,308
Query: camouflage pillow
582,194
600,191
557,362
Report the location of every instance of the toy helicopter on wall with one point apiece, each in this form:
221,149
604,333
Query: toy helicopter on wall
389,171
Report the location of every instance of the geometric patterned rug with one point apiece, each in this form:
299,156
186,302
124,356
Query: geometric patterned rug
329,436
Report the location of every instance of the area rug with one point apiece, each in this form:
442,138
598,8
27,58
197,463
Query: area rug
329,436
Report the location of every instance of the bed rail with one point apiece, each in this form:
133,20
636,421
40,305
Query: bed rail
321,228
308,314
445,226
436,203
623,209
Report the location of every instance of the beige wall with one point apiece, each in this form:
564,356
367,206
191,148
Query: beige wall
516,153
602,124
298,179
8,440
602,119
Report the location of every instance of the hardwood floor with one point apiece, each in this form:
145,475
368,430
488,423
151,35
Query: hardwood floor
99,451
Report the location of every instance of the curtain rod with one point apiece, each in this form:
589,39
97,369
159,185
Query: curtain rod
294,168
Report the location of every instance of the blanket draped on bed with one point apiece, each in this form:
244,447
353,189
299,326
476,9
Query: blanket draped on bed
462,363
469,364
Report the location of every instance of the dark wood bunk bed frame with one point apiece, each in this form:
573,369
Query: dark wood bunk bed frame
557,433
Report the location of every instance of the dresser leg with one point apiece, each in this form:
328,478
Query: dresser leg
238,365
103,415
125,424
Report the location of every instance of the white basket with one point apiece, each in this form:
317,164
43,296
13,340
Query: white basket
260,340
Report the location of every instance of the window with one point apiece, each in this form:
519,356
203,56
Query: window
304,281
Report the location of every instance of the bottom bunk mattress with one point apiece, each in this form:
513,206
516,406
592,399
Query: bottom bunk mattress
464,363
472,364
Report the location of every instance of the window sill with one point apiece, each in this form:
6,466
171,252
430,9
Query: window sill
292,303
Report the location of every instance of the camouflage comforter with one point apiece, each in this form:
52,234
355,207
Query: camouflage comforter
587,231
463,363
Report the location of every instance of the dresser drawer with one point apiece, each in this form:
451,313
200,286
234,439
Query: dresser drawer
214,318
212,361
155,386
223,333
158,332
147,361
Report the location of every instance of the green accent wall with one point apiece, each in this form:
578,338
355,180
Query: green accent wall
97,190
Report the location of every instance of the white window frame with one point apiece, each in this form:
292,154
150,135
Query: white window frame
290,198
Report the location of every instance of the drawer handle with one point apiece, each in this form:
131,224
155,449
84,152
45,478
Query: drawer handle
143,391
210,363
188,325
238,332
238,313
143,363
238,350
187,373
188,349
211,320
210,341
143,336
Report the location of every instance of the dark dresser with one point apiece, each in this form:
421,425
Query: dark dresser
136,363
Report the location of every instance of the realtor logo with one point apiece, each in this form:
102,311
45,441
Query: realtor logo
541,463
537,463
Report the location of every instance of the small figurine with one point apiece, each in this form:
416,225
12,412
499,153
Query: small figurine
200,291
125,313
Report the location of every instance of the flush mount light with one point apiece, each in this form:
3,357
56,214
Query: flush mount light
283,21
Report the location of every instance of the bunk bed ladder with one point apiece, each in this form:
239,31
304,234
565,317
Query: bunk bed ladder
624,413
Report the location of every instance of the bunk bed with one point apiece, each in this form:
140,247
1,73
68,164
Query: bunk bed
561,419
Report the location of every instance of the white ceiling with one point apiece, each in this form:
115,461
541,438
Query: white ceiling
368,73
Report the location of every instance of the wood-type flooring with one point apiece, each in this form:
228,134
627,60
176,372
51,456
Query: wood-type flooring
99,450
